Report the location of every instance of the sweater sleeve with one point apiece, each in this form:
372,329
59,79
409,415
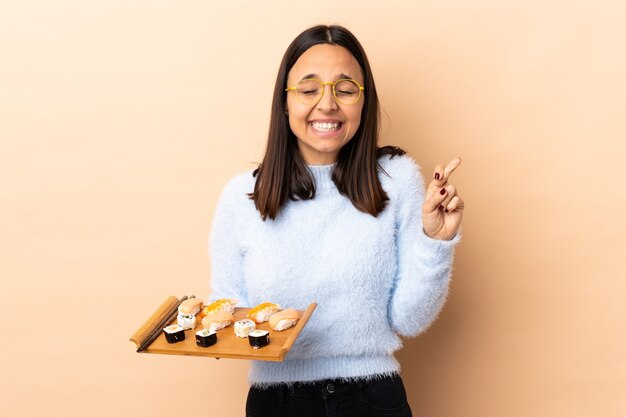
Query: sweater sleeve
225,251
424,264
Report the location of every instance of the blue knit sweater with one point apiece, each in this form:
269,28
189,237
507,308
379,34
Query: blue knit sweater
374,278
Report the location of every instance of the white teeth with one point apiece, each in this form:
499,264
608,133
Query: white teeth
328,127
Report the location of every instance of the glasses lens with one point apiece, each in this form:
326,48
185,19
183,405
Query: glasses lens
309,90
347,91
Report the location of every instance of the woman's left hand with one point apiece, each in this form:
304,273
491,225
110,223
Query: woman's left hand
443,208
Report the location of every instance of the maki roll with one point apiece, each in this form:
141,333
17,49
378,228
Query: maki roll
284,319
187,321
259,338
262,312
174,333
206,338
218,320
244,327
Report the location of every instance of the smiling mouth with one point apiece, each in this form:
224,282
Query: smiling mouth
326,127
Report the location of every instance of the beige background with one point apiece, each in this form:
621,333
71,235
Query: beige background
120,122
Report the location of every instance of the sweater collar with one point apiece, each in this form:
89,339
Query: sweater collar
322,174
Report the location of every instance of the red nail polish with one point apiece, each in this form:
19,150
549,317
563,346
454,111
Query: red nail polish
443,191
437,176
446,210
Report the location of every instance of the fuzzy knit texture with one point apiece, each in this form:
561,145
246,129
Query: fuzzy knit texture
374,278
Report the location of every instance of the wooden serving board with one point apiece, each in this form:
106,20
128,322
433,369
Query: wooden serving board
228,344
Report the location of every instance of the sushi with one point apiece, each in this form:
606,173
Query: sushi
174,333
206,338
186,321
244,327
223,304
259,338
191,306
218,320
284,319
262,312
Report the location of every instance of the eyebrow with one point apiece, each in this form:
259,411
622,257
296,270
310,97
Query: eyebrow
339,77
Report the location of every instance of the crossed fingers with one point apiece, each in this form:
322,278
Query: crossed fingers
440,194
443,173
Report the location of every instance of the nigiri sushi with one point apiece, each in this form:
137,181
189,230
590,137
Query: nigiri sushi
263,312
191,306
218,320
223,304
284,319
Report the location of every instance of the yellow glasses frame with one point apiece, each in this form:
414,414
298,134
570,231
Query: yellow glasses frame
324,84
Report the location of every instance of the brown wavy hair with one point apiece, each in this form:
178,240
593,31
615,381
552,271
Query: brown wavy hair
283,174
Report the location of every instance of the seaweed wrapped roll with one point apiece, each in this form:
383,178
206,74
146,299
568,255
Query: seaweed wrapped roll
206,338
174,333
259,338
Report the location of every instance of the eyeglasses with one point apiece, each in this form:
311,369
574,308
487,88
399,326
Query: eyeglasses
310,90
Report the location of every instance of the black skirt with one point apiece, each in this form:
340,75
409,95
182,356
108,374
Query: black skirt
383,396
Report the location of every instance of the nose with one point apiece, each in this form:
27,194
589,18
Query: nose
327,101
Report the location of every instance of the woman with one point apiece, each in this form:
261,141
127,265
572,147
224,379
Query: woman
330,217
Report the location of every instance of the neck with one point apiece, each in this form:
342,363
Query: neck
315,158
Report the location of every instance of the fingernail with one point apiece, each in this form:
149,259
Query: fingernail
443,191
446,210
437,176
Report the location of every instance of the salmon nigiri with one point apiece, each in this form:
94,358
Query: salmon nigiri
217,320
284,319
